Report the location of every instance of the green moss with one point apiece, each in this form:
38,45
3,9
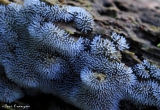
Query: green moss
158,45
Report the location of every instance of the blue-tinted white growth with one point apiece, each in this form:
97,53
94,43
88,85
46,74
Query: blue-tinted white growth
93,80
156,93
109,48
102,84
86,99
140,71
50,38
21,69
146,70
81,18
37,55
9,91
83,21
143,93
66,14
99,73
122,75
119,41
51,67
104,47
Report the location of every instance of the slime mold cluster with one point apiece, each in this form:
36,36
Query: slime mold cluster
36,54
